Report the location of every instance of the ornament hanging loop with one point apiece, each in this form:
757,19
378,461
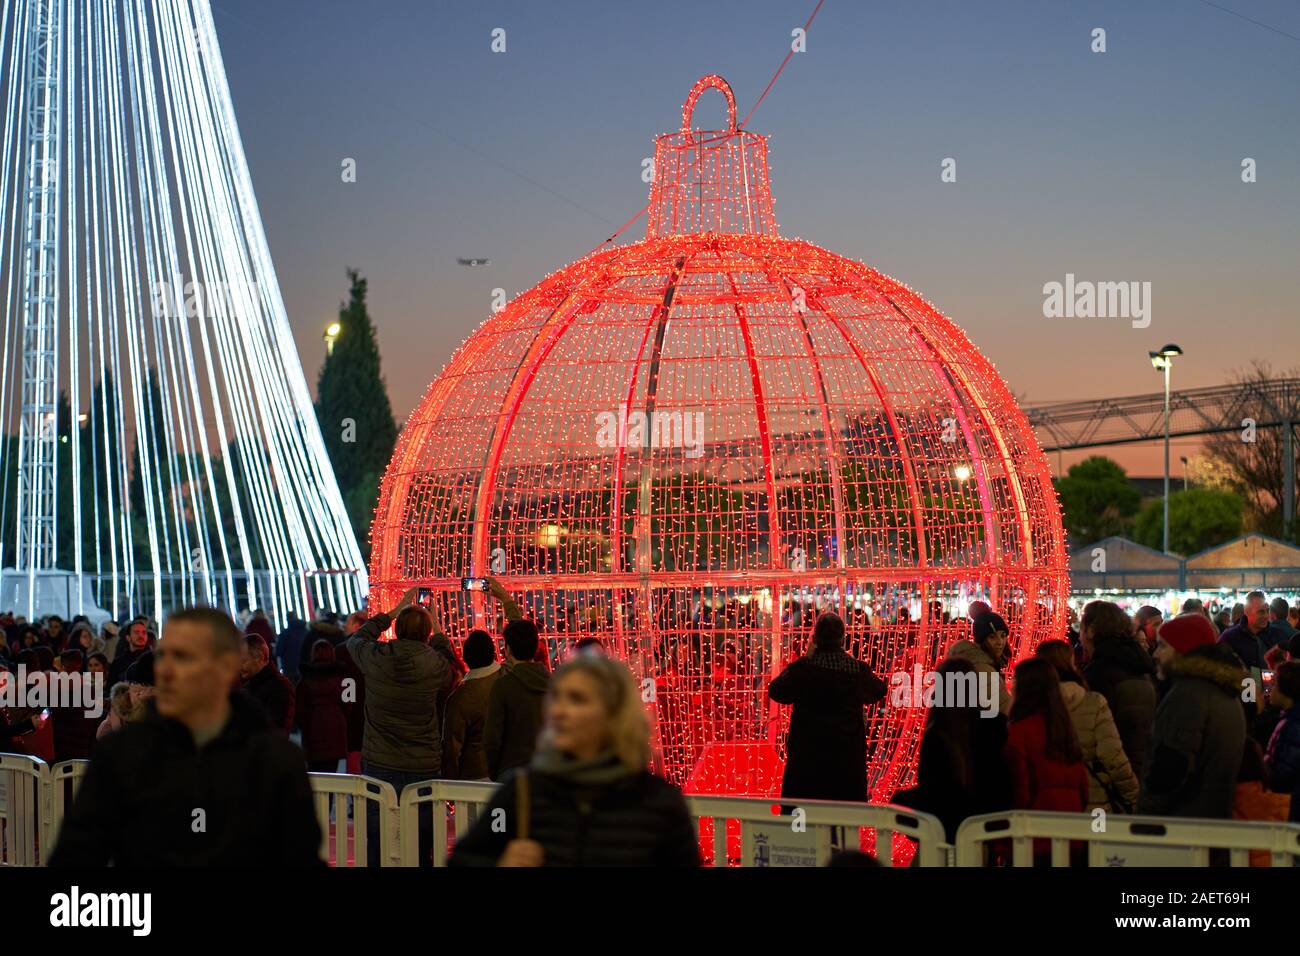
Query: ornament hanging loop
710,82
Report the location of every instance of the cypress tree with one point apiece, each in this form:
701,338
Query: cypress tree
355,415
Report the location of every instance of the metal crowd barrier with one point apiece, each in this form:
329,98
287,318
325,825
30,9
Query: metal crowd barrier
1124,840
24,810
808,832
741,831
342,801
462,802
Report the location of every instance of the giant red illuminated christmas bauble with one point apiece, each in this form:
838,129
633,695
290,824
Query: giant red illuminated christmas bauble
689,445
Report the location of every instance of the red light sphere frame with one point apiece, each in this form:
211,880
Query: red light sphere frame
688,445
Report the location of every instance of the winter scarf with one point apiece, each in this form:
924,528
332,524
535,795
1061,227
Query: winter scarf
600,771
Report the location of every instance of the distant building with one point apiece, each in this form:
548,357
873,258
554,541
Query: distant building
1251,561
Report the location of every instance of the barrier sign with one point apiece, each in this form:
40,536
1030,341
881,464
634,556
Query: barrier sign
778,844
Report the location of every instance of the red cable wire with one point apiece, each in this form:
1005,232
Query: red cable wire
772,81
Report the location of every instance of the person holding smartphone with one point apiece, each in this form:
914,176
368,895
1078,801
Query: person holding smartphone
464,726
401,743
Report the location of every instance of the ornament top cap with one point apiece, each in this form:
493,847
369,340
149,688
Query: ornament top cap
710,180
704,83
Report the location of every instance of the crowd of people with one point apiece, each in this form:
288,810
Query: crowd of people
203,752
1180,717
119,651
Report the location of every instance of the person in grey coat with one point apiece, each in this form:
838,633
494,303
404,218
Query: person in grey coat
401,744
1199,735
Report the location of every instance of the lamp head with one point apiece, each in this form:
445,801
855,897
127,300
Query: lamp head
1164,358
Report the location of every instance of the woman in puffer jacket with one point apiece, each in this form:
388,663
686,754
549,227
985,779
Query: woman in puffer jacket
1112,785
587,798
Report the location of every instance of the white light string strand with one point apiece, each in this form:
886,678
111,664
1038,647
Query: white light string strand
199,473
322,488
196,404
215,258
74,363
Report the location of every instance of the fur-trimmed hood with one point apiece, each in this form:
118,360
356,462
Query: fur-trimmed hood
1215,663
970,651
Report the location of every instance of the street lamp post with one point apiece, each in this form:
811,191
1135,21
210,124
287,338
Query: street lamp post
1184,461
1163,361
331,333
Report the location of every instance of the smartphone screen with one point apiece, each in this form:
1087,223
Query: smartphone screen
424,597
474,584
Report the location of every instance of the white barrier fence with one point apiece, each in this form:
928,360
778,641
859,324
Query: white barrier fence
24,810
343,802
816,829
462,801
741,831
1123,840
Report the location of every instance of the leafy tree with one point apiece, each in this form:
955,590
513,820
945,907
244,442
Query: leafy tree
1097,500
1199,518
355,415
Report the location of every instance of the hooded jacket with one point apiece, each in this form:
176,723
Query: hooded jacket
514,717
136,805
1103,751
970,651
463,757
355,708
1196,744
1122,672
403,678
320,712
315,632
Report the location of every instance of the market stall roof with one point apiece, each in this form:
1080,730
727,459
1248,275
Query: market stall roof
1253,560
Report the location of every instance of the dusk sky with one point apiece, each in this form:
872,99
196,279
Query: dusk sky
1117,166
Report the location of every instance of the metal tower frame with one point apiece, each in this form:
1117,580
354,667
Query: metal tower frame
38,432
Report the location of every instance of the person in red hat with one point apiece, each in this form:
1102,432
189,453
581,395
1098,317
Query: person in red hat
1200,729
